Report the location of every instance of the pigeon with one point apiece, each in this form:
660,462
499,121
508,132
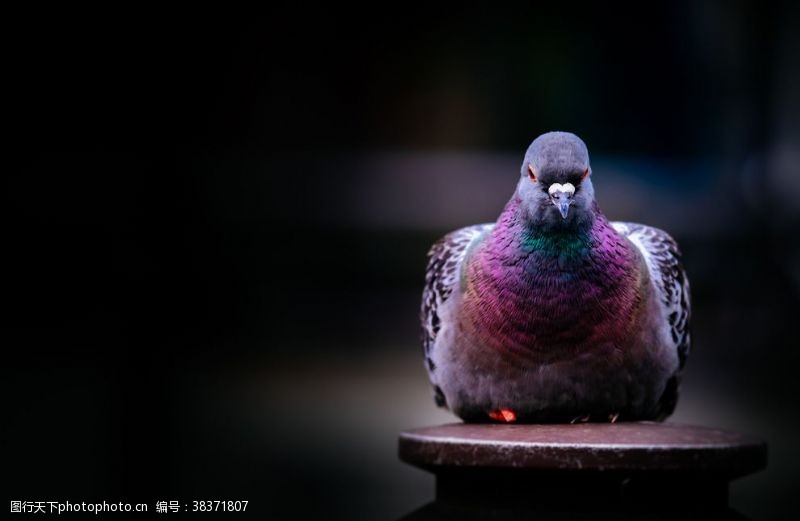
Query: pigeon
553,313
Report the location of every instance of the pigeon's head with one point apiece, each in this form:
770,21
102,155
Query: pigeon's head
556,188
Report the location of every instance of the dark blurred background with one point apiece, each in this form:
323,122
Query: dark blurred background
217,227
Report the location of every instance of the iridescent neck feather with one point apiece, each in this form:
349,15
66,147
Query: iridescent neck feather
551,290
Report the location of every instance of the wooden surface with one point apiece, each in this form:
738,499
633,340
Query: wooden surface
633,470
599,446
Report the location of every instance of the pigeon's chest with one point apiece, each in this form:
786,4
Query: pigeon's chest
552,304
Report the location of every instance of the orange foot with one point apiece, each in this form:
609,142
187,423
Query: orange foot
503,415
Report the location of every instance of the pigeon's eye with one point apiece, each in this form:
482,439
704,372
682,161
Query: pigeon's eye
532,173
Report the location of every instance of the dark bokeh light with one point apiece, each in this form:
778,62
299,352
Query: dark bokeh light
218,229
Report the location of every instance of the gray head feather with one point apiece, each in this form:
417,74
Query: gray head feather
555,188
557,153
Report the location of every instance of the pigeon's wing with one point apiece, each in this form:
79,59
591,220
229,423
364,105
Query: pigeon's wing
663,259
441,278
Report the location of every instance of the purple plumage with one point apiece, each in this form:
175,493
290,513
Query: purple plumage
554,313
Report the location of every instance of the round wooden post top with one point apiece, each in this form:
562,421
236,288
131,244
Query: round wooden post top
635,446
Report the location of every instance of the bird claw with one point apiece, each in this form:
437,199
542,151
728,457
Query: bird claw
582,419
612,418
503,415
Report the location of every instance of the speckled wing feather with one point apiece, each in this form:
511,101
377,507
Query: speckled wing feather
663,259
664,262
441,278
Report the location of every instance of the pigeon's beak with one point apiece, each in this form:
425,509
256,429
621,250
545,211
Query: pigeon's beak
562,200
561,195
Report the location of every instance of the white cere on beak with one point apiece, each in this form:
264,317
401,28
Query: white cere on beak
558,187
